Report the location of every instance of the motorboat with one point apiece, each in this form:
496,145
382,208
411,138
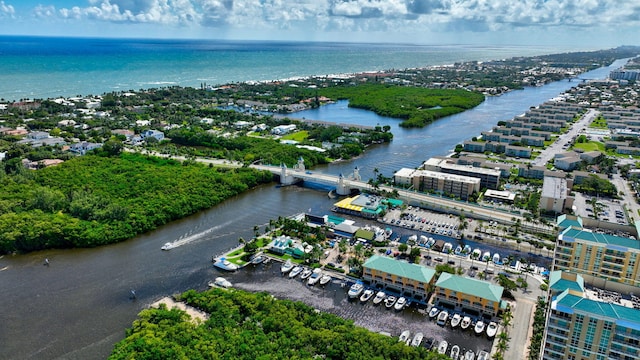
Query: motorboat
464,324
483,355
380,296
442,347
442,317
479,328
469,355
430,242
447,247
412,239
400,304
258,259
492,329
390,301
306,273
455,352
355,290
286,266
366,295
220,282
433,312
295,271
417,339
486,256
315,277
324,280
225,264
475,254
466,250
496,259
455,320
423,240
458,250
404,336
167,246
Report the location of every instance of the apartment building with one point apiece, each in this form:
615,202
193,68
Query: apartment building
398,276
468,295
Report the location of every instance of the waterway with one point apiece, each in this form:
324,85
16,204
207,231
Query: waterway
79,306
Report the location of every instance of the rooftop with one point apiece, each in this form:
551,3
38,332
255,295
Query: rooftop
400,268
554,187
612,241
570,303
482,289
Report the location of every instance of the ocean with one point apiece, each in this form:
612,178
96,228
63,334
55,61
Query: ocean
50,67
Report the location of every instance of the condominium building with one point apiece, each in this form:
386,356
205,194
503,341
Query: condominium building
468,295
555,194
489,178
425,180
398,276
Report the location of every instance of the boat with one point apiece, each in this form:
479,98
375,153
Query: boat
286,266
455,352
442,347
458,250
355,290
433,312
455,320
476,253
430,242
466,250
492,329
258,259
442,317
464,324
379,297
167,246
366,295
306,273
411,240
400,304
479,328
447,247
486,256
417,339
225,264
469,355
220,282
324,280
315,277
496,259
295,271
388,232
404,336
390,301
483,355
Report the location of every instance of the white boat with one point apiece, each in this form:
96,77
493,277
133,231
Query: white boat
492,329
324,280
379,297
486,256
455,320
306,273
496,259
466,249
258,259
295,271
366,295
469,355
455,352
442,317
225,264
220,282
483,355
400,304
447,247
404,336
430,242
433,312
286,266
315,277
390,301
475,254
355,290
388,232
464,324
167,246
423,240
479,328
417,339
411,240
458,250
442,347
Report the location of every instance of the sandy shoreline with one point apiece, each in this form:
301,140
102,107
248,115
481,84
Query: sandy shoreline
191,311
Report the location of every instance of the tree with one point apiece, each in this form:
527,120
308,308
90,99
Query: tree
415,254
403,247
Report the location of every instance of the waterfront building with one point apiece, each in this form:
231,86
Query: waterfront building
506,197
471,296
555,195
400,277
452,185
365,205
489,178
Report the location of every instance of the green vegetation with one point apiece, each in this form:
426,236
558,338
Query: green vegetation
297,136
417,106
254,326
589,146
95,200
538,329
599,123
594,185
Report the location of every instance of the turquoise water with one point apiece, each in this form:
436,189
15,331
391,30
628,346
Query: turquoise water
43,67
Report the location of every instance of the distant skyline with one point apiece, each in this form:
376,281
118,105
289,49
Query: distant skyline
579,24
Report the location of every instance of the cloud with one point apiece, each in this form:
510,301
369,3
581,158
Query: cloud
6,10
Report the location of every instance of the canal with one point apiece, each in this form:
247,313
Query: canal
79,306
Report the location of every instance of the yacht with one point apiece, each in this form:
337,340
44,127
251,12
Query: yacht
492,329
469,355
379,297
483,355
295,271
479,328
455,352
486,256
417,339
496,259
404,336
455,320
447,247
220,282
324,280
306,273
315,277
433,312
442,347
225,264
430,242
476,254
458,250
355,290
464,324
167,246
412,239
366,295
400,304
466,250
286,266
442,317
258,259
390,301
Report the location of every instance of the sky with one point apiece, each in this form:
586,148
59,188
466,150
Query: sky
579,23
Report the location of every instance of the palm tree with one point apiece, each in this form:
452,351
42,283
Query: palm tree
507,316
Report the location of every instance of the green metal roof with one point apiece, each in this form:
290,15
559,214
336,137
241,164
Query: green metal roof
574,234
400,268
482,289
622,315
564,222
558,284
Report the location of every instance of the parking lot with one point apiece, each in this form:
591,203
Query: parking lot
605,209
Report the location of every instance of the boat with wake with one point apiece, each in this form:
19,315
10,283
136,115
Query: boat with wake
167,246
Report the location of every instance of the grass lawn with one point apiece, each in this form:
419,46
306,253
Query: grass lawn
590,146
297,136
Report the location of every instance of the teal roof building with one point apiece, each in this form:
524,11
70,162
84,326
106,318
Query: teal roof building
468,295
411,280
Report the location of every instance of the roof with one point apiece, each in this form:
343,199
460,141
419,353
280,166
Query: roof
623,316
560,281
565,221
400,268
467,285
612,241
346,204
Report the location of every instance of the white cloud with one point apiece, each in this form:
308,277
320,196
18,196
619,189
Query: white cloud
6,10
